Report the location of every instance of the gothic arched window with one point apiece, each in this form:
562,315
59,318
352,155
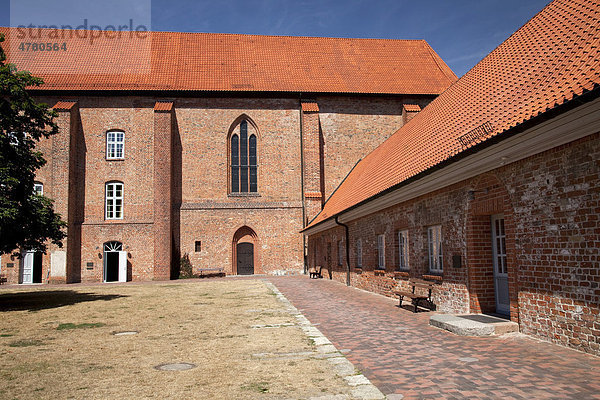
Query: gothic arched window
244,159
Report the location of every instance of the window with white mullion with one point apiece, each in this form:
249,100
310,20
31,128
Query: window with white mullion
359,253
500,246
434,239
115,141
381,251
38,189
403,250
114,200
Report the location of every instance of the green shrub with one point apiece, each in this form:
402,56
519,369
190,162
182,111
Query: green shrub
186,269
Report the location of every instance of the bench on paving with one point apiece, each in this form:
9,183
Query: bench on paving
315,272
211,271
419,291
3,279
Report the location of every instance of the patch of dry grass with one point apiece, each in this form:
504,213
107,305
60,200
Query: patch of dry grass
60,343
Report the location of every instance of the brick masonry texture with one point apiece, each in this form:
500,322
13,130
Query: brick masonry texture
176,178
551,207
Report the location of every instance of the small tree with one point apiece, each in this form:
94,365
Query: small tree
27,220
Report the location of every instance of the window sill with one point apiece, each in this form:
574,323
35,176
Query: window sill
115,159
434,277
249,194
401,274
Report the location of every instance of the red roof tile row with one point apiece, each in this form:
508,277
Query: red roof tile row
163,106
550,60
64,105
94,60
411,107
310,106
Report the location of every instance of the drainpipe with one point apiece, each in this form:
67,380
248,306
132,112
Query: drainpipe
302,184
347,249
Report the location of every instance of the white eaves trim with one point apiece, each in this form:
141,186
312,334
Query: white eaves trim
567,127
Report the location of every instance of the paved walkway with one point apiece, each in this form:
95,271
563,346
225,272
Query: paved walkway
406,358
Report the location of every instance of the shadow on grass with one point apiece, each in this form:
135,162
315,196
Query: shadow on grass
41,300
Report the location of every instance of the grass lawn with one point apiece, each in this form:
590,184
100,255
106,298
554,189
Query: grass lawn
60,343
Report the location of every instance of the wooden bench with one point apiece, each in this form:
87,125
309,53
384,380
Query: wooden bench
315,272
420,290
3,279
211,271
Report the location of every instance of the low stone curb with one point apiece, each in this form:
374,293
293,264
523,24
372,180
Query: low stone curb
361,386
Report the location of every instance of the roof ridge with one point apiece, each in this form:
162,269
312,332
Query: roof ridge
437,59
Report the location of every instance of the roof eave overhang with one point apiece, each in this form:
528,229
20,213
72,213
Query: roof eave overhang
218,93
573,120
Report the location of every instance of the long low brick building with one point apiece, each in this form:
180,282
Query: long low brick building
213,147
492,191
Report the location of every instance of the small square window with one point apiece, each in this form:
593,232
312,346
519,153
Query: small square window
198,246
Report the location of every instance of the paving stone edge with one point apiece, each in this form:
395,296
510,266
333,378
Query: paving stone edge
361,386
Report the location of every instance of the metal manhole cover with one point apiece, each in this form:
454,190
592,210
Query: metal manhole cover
175,367
125,333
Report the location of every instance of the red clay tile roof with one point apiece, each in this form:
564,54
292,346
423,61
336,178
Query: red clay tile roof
64,105
411,107
232,62
310,106
163,106
549,61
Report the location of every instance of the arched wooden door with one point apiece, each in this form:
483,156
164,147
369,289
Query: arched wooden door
245,258
244,249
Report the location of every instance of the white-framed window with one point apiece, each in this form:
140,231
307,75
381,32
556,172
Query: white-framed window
38,188
381,251
114,200
115,141
434,240
340,253
403,250
359,253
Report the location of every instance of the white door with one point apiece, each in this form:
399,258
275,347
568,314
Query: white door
122,266
500,267
27,270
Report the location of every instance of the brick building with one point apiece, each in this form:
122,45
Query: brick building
220,147
492,190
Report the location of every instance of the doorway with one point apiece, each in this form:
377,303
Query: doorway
115,262
245,258
245,252
500,266
31,267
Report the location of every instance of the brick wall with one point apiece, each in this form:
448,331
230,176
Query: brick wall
551,208
196,184
352,127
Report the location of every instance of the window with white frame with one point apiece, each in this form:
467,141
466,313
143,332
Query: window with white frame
434,239
381,251
115,141
114,200
403,250
359,253
38,188
340,253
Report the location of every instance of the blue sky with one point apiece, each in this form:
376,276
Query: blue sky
462,32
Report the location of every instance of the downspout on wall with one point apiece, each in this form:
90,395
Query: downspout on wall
302,186
347,249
